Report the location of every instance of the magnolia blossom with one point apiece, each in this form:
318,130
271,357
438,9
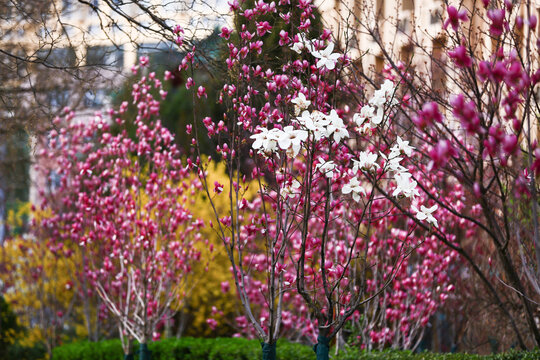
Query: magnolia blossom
353,188
300,103
326,57
266,141
402,147
291,140
320,122
405,185
367,161
302,43
291,190
425,213
315,122
393,162
363,119
336,127
383,96
326,167
324,126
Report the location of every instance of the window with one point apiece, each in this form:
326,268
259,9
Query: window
53,181
160,54
434,17
406,54
59,57
105,56
380,9
66,5
408,5
95,98
438,75
379,66
403,24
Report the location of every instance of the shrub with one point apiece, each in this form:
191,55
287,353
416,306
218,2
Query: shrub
243,349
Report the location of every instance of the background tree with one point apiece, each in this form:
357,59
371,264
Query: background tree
474,119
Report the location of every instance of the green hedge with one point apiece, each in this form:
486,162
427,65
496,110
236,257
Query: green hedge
183,349
242,349
354,354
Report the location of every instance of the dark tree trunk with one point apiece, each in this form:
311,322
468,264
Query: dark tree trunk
322,348
268,351
144,353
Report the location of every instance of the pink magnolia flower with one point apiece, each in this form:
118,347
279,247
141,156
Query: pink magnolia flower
460,57
454,17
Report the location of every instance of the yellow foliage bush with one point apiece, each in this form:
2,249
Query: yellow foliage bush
214,268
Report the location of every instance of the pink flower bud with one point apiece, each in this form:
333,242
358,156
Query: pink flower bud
201,91
476,189
532,22
497,21
460,57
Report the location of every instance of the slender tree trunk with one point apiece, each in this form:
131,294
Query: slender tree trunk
268,351
144,353
322,347
128,353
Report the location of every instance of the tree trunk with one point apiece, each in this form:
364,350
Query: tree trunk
322,347
144,353
126,347
268,351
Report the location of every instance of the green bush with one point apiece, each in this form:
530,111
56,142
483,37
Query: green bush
243,349
356,354
85,350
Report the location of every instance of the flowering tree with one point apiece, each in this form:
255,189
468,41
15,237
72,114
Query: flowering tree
476,126
321,172
128,200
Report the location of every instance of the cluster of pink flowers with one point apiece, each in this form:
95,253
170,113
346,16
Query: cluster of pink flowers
125,202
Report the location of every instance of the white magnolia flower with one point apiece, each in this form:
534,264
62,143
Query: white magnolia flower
326,57
266,140
402,147
316,122
366,113
388,87
354,188
326,167
300,102
379,116
425,214
291,140
336,126
302,43
393,162
291,190
367,161
405,185
385,95
378,99
305,120
321,123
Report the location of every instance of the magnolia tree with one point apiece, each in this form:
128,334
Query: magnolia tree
128,211
318,247
476,130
